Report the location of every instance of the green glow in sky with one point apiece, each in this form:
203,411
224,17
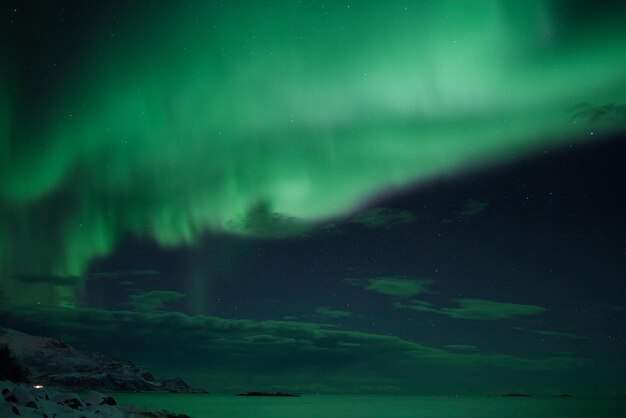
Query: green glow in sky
186,121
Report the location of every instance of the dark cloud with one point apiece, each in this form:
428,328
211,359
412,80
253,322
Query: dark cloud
260,221
73,281
49,279
383,218
123,274
393,286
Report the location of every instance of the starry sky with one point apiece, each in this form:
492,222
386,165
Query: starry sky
321,196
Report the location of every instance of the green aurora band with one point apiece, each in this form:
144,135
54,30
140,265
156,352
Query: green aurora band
188,121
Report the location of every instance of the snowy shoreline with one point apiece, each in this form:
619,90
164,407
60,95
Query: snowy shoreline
28,401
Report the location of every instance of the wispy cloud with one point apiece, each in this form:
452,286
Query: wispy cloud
154,301
473,207
327,313
383,218
551,333
470,208
595,113
400,287
490,309
477,309
460,347
415,305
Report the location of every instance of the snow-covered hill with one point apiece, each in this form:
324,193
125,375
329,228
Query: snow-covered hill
51,362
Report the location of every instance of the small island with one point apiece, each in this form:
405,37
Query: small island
267,394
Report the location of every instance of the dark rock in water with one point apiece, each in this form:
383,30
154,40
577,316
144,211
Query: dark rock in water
73,403
516,395
565,395
50,362
267,394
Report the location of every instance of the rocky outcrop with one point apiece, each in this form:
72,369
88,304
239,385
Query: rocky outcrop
20,400
10,369
175,385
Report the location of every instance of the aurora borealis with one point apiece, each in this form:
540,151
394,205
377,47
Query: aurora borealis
213,135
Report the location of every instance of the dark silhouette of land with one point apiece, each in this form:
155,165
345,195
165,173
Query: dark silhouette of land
267,394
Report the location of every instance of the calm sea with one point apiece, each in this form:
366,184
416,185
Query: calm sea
338,406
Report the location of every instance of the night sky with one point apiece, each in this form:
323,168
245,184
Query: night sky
321,196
